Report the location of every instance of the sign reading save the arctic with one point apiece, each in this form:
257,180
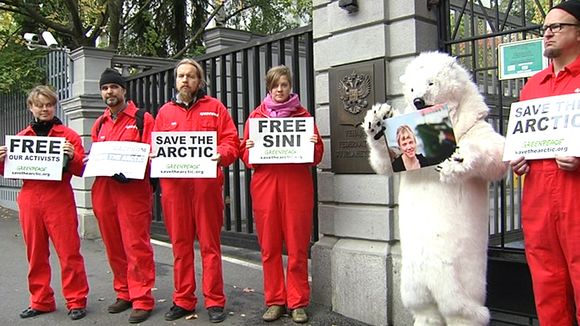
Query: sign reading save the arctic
284,140
544,128
185,154
31,157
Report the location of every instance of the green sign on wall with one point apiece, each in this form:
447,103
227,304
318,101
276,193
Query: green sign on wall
521,59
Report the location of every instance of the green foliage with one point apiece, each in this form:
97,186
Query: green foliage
19,68
268,16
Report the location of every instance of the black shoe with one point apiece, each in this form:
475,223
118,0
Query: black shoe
177,312
78,313
139,315
29,312
216,314
119,306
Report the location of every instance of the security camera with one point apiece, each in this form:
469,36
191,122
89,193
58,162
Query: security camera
31,37
49,39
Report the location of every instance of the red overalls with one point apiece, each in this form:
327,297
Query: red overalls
124,213
47,210
283,200
194,207
551,216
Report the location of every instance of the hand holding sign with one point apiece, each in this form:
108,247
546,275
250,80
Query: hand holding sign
68,149
2,153
567,163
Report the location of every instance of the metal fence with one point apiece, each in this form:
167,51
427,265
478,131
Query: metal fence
236,77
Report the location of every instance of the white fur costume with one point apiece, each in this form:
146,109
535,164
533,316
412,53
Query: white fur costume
443,216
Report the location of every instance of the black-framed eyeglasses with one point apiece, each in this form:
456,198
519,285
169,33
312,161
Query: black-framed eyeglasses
555,27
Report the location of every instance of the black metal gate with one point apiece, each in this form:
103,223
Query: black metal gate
471,30
235,76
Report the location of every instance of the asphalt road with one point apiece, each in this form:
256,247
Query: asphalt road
242,277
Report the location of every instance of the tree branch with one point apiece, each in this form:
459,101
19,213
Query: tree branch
197,33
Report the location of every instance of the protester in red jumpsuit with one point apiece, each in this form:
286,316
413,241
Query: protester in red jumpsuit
123,207
194,207
47,210
283,201
550,207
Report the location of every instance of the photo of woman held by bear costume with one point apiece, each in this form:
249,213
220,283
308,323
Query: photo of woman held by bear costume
408,159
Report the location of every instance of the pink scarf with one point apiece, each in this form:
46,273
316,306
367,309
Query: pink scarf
281,110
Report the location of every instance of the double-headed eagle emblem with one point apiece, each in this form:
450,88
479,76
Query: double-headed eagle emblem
353,90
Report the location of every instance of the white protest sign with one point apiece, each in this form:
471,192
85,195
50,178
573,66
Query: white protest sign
32,157
184,154
283,140
543,128
110,157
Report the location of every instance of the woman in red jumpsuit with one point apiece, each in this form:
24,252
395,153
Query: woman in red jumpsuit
283,200
47,210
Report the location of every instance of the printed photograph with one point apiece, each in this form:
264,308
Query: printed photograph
420,139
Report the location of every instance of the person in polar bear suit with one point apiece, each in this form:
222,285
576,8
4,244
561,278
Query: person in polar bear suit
443,209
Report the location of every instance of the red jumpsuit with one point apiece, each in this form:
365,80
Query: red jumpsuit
194,207
47,210
551,216
283,200
124,213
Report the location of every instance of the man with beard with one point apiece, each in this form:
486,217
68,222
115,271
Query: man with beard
123,207
550,209
193,208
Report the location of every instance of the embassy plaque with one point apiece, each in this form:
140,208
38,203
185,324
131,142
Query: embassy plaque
354,89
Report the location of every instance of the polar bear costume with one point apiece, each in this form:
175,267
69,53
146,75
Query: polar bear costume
444,210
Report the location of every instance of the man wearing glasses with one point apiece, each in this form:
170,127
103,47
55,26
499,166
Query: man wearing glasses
550,209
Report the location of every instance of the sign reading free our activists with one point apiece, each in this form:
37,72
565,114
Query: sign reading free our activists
32,157
110,157
186,154
544,128
282,140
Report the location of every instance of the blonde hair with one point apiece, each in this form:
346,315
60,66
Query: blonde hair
38,91
200,71
275,73
404,131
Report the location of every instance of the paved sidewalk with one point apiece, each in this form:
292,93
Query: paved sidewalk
242,277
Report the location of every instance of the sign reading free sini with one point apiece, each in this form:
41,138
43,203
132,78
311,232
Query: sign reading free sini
282,140
32,157
544,128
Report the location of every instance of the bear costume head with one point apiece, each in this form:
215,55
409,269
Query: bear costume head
437,78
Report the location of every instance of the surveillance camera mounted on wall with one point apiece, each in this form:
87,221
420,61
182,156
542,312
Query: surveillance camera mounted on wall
33,41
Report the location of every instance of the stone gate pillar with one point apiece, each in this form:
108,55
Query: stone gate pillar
356,263
81,110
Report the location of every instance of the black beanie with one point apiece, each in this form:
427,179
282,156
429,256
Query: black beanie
571,6
112,76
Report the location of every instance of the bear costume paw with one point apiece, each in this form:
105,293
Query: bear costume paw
453,169
373,122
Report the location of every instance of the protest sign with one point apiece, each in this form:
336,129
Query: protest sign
32,157
543,128
111,157
426,138
184,154
284,140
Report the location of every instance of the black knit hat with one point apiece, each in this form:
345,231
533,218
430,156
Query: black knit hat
571,6
112,76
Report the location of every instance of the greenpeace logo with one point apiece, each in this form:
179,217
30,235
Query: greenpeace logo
213,114
130,127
